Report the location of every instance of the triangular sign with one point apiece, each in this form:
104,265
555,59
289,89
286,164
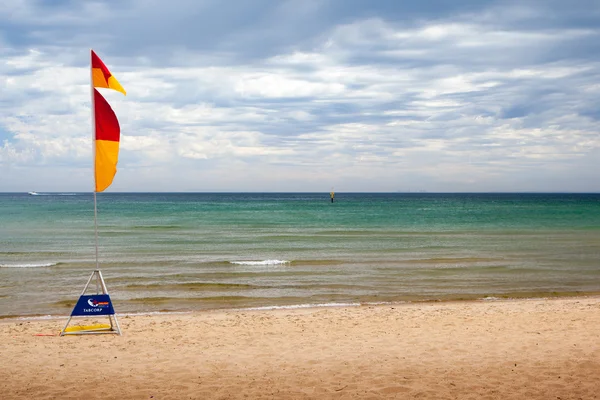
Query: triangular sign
91,306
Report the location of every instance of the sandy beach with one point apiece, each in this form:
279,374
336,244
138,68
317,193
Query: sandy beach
514,349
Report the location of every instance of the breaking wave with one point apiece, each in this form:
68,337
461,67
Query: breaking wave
264,262
29,265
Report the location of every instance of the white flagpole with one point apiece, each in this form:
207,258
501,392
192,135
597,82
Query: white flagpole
94,155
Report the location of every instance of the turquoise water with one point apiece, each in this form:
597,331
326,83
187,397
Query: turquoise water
175,252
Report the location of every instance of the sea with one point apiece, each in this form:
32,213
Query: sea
180,252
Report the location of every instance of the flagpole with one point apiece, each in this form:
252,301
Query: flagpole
94,156
107,130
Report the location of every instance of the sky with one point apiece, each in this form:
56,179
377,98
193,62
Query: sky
305,95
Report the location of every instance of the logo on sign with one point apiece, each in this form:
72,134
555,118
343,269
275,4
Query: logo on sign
98,304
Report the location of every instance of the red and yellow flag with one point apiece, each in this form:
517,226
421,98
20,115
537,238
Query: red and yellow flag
101,76
108,134
106,130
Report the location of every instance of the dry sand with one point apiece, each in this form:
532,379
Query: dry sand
518,349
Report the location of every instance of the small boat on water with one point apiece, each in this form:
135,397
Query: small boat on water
32,193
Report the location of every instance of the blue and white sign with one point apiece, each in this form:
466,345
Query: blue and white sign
99,304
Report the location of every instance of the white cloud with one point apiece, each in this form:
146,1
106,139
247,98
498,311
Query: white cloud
450,102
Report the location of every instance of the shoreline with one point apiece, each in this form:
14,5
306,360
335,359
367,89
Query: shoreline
562,295
502,349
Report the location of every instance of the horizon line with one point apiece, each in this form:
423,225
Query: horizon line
306,192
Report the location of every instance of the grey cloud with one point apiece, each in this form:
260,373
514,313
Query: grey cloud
464,96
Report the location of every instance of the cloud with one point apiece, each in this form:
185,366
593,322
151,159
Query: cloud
306,95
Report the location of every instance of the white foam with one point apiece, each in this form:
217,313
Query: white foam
57,316
491,298
264,262
34,265
291,307
133,314
39,317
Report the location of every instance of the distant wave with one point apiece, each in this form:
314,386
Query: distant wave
33,265
52,194
192,286
264,262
